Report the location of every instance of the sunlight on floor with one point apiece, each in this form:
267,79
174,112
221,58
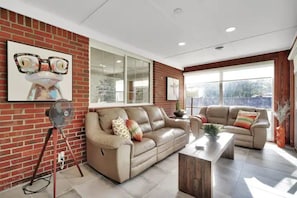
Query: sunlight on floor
285,154
259,189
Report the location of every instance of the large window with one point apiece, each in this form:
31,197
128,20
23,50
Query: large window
254,92
118,78
244,85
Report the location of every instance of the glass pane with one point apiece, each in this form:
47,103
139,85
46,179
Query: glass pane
256,93
138,80
203,94
107,77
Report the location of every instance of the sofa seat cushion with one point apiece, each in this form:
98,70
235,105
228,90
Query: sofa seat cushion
177,132
145,145
236,130
161,136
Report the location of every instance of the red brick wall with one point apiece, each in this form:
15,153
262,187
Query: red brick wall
162,71
23,125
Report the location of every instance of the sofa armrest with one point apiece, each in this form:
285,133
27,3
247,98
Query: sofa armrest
259,133
261,123
196,125
98,137
176,123
195,122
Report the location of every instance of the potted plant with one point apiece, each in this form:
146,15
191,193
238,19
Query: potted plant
281,114
211,131
178,112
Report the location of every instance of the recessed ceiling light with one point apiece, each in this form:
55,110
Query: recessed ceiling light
119,61
230,29
219,47
181,43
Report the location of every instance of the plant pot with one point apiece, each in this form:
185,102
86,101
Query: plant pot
280,136
212,138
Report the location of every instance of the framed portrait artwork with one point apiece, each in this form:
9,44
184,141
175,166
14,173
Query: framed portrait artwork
172,88
37,74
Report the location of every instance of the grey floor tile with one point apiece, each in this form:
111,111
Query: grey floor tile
180,194
271,172
154,174
167,166
224,185
170,182
138,186
62,185
73,176
13,193
266,175
100,187
70,194
160,192
218,194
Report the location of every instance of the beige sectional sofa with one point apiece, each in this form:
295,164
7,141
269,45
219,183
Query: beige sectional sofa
121,159
255,137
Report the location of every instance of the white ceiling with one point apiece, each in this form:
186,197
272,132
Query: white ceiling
151,28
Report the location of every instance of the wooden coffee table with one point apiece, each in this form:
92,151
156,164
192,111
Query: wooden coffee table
195,172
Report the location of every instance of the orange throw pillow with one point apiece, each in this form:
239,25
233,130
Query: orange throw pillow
245,119
135,130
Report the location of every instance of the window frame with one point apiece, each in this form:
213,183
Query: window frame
104,47
270,136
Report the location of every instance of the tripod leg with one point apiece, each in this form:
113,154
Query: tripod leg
55,139
49,133
68,145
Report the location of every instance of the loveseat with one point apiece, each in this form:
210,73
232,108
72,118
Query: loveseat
225,117
121,159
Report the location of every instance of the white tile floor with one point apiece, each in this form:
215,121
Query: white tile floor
271,172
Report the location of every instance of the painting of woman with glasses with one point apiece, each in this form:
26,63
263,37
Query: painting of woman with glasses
43,69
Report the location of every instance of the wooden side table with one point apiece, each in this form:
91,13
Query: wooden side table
195,172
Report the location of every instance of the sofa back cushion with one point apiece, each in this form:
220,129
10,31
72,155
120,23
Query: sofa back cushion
107,115
140,116
263,113
217,114
233,111
155,116
203,111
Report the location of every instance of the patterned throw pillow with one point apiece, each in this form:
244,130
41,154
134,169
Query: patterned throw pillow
134,129
119,128
245,119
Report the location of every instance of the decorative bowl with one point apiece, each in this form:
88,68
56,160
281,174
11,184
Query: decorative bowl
179,113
